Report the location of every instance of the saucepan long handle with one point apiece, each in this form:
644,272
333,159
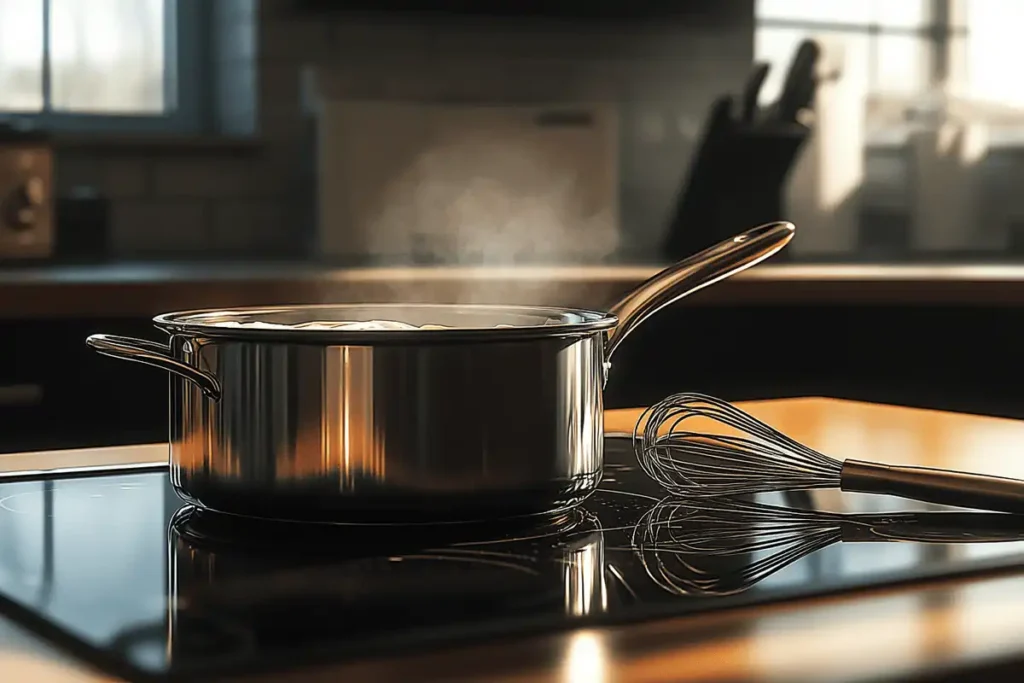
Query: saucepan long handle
155,354
930,485
695,273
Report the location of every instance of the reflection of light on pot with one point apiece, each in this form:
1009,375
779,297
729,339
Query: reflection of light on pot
586,427
586,658
351,445
584,578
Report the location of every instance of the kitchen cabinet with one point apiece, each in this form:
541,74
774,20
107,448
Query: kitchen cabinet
55,392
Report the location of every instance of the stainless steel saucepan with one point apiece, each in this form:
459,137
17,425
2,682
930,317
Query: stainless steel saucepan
491,411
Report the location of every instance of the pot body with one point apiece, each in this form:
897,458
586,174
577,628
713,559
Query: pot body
493,412
389,433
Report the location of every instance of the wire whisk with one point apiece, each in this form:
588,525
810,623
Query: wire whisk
758,460
753,457
721,546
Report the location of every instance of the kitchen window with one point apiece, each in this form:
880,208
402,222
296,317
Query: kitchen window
887,40
927,90
121,65
915,58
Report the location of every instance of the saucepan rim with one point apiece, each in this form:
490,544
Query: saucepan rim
208,323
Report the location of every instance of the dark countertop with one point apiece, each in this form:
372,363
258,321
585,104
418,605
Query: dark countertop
140,289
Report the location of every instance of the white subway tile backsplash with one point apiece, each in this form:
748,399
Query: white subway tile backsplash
252,225
147,227
126,178
111,177
212,178
71,171
280,163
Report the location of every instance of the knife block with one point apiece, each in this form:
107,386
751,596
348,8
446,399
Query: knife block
736,181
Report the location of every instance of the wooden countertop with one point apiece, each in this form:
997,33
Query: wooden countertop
145,290
889,635
877,634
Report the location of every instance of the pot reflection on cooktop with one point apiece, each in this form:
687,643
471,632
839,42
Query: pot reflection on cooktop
115,568
350,584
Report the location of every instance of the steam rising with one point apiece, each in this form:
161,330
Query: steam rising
498,198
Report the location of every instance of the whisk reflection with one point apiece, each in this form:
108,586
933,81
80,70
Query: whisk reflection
681,544
723,546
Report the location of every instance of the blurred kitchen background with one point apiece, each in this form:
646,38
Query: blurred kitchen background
511,132
162,155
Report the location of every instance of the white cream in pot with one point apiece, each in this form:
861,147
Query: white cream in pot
346,325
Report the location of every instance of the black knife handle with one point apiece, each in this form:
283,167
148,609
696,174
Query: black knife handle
751,92
945,487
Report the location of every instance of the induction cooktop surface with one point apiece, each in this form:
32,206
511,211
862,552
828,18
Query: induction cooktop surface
113,567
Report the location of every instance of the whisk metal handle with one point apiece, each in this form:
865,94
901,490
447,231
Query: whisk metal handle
926,484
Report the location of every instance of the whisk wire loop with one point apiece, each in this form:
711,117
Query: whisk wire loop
758,459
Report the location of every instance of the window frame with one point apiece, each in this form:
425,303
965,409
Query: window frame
185,23
935,33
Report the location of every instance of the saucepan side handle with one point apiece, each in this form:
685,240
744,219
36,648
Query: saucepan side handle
155,354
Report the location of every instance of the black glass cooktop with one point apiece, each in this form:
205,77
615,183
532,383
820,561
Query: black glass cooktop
112,567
